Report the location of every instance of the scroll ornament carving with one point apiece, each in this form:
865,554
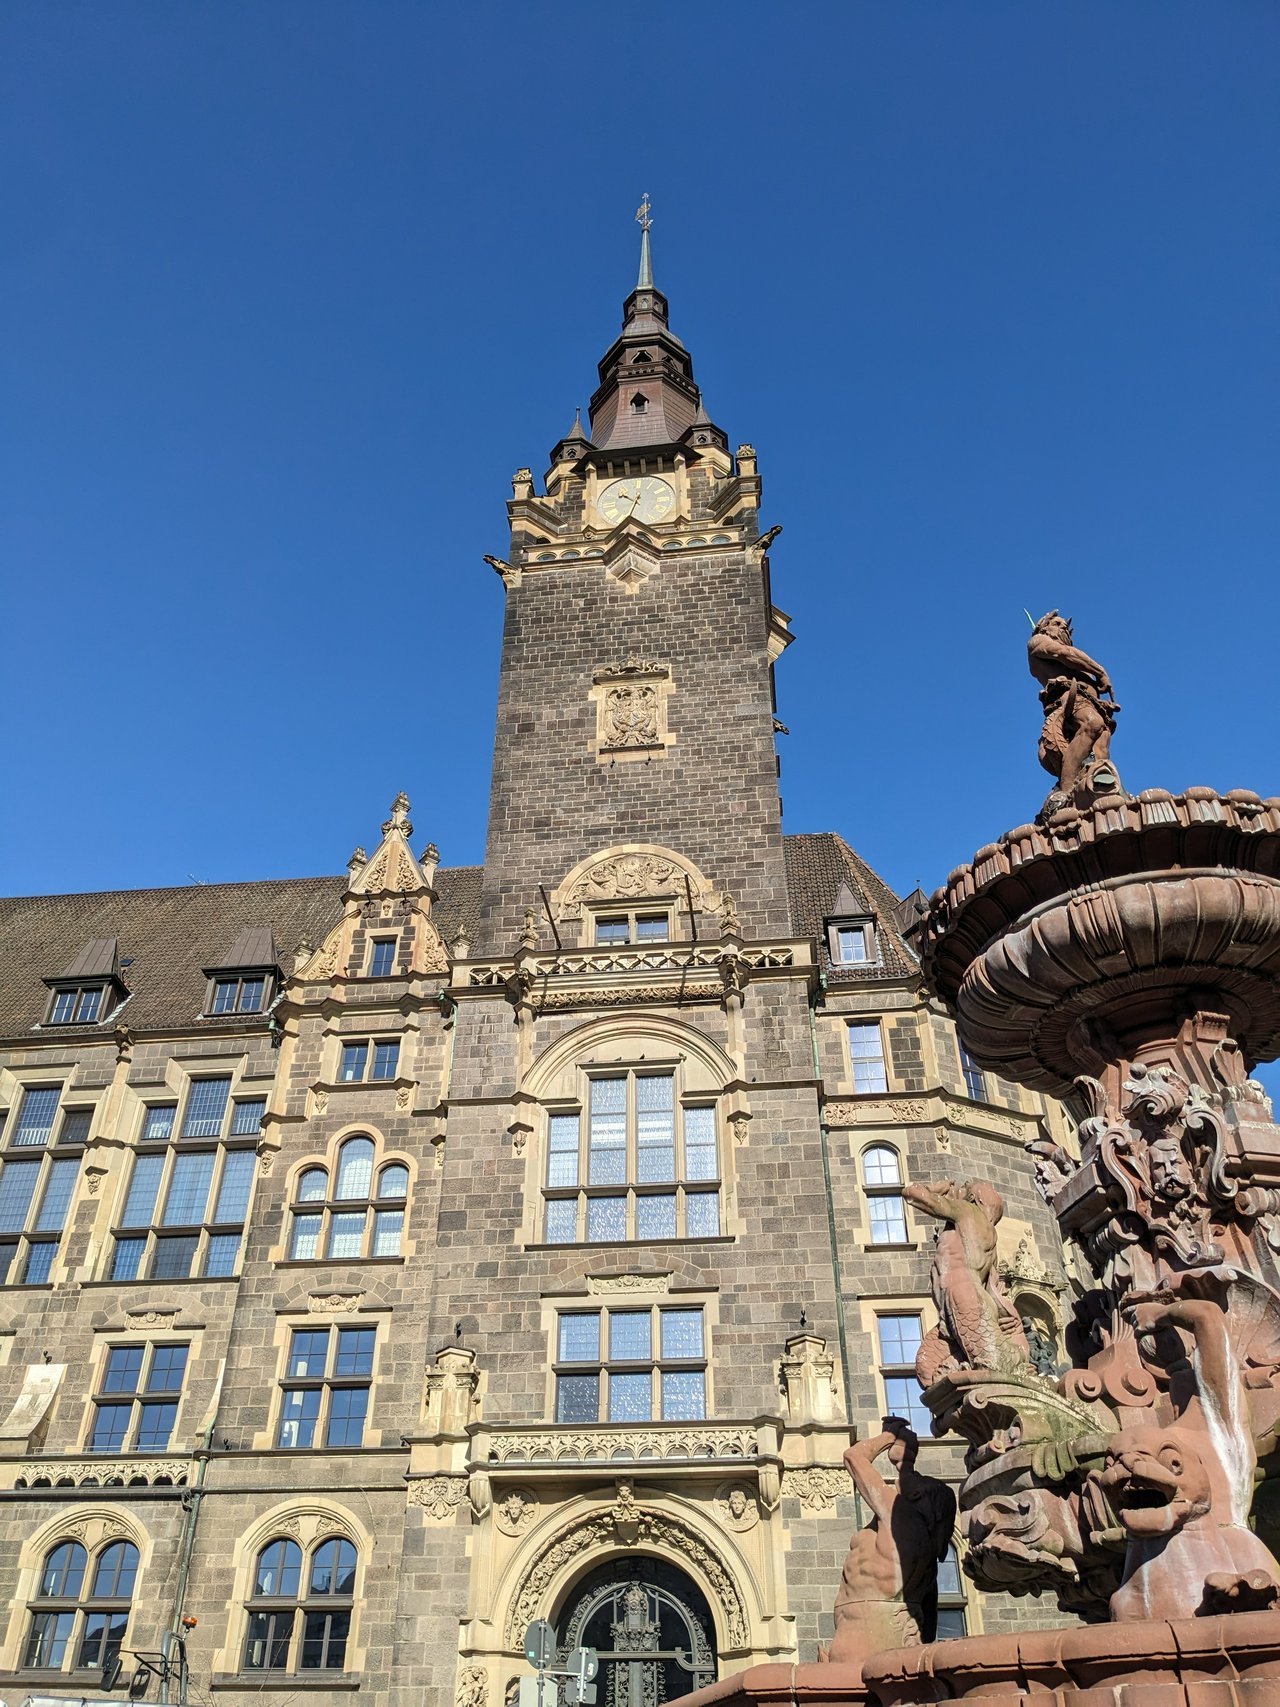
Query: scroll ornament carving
629,877
473,1688
151,1318
599,1530
322,1101
816,1486
602,1284
330,1303
332,1526
403,1097
439,1496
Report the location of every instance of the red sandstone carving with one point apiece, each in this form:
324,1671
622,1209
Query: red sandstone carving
979,1325
1079,715
888,1589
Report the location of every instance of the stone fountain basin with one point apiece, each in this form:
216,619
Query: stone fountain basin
1228,1661
1122,914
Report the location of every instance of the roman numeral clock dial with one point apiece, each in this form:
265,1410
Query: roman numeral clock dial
644,497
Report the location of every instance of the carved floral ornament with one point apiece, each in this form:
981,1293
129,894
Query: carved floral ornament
607,1529
634,874
440,1497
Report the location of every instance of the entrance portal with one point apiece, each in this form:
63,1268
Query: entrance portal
651,1626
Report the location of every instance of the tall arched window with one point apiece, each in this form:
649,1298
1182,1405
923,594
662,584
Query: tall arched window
882,1183
80,1609
300,1607
355,1209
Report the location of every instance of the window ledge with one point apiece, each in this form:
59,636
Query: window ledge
899,1245
183,1280
634,1244
260,1680
338,1262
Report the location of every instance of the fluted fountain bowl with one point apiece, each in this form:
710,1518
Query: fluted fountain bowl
1123,917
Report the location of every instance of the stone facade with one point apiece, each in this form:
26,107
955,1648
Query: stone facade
622,1080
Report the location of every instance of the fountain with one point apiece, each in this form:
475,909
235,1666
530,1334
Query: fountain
1123,952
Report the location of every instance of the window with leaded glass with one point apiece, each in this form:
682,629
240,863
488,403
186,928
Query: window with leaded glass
886,1206
350,1212
187,1197
867,1059
299,1612
898,1337
634,1161
631,1365
136,1404
80,1610
37,1188
324,1397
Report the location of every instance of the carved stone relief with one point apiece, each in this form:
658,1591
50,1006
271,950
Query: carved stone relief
815,1486
631,710
439,1496
602,1284
736,1503
516,1511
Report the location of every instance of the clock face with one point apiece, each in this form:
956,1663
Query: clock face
644,496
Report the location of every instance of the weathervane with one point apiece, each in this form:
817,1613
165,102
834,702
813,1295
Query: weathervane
643,216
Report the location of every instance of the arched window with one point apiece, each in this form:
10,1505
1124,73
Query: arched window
300,1609
650,1625
636,1158
363,1214
81,1607
882,1183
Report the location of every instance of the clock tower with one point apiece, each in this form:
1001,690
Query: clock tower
636,703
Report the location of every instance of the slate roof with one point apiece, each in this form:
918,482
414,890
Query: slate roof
170,935
817,866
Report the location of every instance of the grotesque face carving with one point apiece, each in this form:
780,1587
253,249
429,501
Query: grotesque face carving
1171,1176
1154,1481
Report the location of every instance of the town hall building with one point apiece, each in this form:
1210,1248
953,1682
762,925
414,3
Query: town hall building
392,1258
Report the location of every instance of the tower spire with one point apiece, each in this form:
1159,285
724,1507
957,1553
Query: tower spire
645,220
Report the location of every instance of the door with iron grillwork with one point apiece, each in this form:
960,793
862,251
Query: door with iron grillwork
650,1625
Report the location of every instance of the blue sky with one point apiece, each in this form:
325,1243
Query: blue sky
292,288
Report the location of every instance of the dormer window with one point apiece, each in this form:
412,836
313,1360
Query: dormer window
239,995
851,932
639,403
245,980
90,989
853,944
642,356
79,1004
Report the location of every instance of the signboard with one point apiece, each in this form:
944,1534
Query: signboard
540,1644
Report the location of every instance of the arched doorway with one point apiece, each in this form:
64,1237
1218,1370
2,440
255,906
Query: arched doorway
651,1626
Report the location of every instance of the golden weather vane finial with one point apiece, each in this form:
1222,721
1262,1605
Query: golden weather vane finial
643,217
